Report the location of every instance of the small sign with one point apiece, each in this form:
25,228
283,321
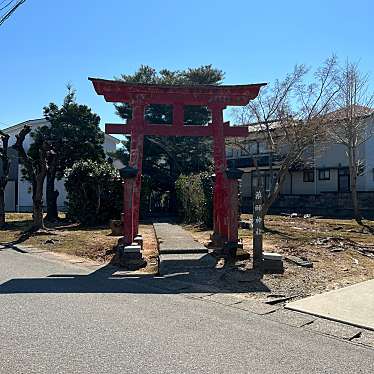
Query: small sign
257,224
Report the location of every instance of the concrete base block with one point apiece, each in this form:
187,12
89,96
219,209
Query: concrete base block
133,248
131,256
272,256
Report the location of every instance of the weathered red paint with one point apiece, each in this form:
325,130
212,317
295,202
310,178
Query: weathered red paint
221,206
216,98
132,186
177,129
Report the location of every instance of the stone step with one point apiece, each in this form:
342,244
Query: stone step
173,263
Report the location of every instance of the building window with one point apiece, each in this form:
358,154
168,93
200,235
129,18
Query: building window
308,176
262,148
229,152
253,148
324,175
249,149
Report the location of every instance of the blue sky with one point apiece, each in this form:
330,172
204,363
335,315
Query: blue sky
47,44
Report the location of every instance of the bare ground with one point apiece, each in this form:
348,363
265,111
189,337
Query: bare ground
95,243
342,253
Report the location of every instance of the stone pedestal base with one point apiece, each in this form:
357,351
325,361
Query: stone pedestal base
230,248
224,248
130,257
216,241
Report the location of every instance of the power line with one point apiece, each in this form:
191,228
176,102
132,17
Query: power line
10,11
6,6
2,2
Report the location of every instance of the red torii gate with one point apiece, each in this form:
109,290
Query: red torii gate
216,99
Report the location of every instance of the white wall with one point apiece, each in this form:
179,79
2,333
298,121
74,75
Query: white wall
24,187
366,182
331,155
301,187
328,185
286,186
24,194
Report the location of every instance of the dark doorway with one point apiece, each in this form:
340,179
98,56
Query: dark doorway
343,180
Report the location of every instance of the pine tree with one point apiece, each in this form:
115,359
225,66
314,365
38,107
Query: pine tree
74,135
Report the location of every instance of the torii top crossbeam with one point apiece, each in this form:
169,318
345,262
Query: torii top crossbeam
211,96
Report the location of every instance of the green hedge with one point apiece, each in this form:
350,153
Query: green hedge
195,198
94,192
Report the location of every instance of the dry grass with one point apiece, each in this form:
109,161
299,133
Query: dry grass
95,243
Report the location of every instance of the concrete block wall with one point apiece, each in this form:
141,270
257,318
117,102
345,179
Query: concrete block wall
332,204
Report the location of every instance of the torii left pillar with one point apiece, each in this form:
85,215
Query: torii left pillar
220,195
132,186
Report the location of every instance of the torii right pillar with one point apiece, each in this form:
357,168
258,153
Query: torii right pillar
226,190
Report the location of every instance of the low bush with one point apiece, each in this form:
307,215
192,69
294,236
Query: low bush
195,198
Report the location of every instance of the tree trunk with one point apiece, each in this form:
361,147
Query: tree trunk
353,178
37,173
2,207
275,190
37,199
51,195
172,208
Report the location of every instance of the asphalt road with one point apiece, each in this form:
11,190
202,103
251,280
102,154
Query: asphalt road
61,318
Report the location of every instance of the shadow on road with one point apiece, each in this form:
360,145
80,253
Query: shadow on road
186,278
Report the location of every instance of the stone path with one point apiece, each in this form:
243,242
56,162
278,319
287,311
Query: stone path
173,239
180,252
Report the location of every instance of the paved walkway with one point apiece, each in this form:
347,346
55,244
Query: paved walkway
353,305
173,239
180,252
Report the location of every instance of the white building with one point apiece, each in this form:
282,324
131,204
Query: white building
18,191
